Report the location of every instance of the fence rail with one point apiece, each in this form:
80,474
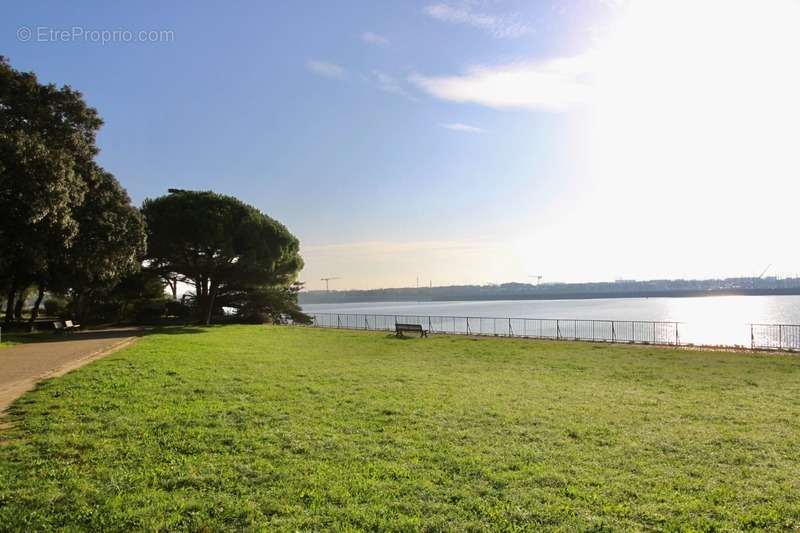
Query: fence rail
623,331
762,336
775,336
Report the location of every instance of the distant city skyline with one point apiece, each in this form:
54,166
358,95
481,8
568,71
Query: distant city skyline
464,142
755,281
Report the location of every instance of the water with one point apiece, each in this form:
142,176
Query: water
707,320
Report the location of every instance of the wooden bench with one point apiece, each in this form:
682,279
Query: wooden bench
68,325
411,328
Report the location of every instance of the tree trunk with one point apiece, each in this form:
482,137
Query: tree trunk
20,303
211,297
12,291
76,305
72,304
84,305
173,285
199,300
35,310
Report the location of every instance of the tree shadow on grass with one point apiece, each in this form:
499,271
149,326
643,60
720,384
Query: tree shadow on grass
98,334
82,335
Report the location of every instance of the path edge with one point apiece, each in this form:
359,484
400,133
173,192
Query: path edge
21,387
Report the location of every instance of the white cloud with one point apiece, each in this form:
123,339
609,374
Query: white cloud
374,38
327,70
554,85
387,83
458,126
498,26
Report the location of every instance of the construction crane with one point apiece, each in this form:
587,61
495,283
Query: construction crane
764,271
537,276
327,280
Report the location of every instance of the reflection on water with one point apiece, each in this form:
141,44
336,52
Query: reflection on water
708,320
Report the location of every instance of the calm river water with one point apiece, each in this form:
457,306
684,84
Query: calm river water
706,320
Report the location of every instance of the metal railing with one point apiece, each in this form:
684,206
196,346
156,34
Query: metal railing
622,331
775,337
785,337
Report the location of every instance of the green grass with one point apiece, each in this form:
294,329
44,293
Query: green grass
274,428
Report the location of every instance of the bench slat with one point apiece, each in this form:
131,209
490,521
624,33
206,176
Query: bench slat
417,328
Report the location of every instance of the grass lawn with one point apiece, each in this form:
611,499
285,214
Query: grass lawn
275,428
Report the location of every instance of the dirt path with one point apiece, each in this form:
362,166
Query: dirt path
22,366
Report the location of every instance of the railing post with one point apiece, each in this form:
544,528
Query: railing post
558,330
613,334
510,332
752,338
677,338
780,336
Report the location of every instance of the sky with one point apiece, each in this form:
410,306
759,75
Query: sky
464,141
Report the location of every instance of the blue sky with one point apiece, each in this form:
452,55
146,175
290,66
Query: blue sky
453,141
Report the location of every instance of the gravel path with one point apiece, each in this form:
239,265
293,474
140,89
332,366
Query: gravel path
23,365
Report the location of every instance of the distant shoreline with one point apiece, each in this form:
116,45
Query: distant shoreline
640,294
360,297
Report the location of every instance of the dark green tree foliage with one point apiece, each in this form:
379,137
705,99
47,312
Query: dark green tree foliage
38,189
229,251
268,304
53,197
109,244
138,296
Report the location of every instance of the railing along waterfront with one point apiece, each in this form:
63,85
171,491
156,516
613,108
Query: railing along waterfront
762,336
622,331
775,337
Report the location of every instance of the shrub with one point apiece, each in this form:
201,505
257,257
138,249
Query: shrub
54,307
177,309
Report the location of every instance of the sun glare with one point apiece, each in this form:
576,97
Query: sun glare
695,121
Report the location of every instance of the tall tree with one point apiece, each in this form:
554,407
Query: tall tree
110,241
39,189
219,245
49,225
47,137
